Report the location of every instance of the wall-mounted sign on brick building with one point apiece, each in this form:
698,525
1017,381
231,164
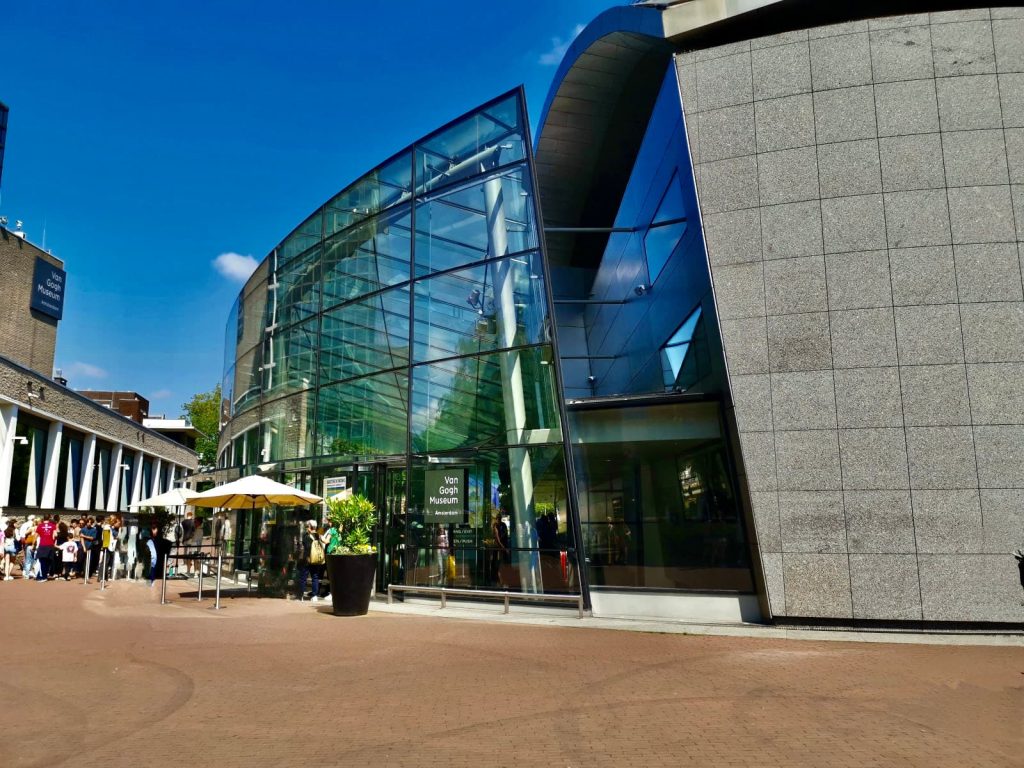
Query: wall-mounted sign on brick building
48,284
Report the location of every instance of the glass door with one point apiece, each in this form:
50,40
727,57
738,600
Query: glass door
391,506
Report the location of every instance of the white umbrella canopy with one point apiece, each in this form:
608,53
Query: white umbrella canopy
172,498
252,492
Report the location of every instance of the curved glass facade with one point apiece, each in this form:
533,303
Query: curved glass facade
402,336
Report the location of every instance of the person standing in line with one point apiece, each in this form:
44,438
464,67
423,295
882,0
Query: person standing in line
27,537
188,531
8,544
113,542
442,552
197,544
151,542
46,532
69,556
90,550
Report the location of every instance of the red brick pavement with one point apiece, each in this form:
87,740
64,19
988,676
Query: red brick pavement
114,679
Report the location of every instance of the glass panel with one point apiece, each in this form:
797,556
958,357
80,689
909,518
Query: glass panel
232,332
238,452
290,358
481,219
365,417
252,446
227,396
287,428
252,317
496,399
247,380
366,336
298,289
367,258
656,501
483,308
389,185
302,239
512,530
484,139
685,357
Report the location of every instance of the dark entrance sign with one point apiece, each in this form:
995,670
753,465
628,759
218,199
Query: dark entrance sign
48,289
444,495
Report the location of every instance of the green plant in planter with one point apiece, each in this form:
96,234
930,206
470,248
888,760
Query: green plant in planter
355,518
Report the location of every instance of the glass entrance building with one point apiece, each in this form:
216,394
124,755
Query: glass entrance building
736,336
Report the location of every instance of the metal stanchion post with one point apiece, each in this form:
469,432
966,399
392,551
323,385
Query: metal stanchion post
216,603
103,569
200,595
163,584
88,559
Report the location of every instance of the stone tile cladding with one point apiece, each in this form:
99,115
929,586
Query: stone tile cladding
862,195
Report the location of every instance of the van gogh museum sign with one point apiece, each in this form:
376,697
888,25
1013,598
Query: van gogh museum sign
444,496
48,289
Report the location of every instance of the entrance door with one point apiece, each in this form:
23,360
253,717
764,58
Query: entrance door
391,504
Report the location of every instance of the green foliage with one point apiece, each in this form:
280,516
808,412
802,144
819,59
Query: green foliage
203,410
355,516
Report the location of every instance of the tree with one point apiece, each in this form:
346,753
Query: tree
203,410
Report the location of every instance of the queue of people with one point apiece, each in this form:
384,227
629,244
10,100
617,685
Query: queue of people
47,548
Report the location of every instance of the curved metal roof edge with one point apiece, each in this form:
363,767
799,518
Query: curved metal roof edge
639,20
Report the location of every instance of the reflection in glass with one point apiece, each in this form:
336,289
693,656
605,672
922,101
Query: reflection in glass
287,428
458,227
657,506
248,379
290,358
667,228
365,336
504,540
389,185
685,358
305,236
368,257
489,137
365,417
459,313
476,401
297,290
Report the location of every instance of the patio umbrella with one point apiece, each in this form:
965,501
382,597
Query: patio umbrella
172,498
252,492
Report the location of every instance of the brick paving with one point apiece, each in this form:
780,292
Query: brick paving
115,679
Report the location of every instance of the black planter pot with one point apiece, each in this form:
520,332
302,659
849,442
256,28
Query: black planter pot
351,581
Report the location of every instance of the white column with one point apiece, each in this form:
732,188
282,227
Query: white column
8,429
513,397
136,496
172,476
155,485
53,441
116,474
85,499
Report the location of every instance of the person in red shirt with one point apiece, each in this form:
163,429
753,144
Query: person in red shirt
45,531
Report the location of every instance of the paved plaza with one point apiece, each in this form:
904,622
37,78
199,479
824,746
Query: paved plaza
113,678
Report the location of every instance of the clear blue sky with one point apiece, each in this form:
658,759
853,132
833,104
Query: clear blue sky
147,138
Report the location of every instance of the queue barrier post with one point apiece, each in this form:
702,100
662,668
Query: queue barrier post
163,583
199,597
88,559
216,602
103,569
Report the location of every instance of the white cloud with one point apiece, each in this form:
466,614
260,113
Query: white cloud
86,370
235,266
553,57
161,394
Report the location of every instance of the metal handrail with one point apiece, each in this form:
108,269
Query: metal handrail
504,595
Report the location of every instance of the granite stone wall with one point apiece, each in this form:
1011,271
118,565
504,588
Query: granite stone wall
862,194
